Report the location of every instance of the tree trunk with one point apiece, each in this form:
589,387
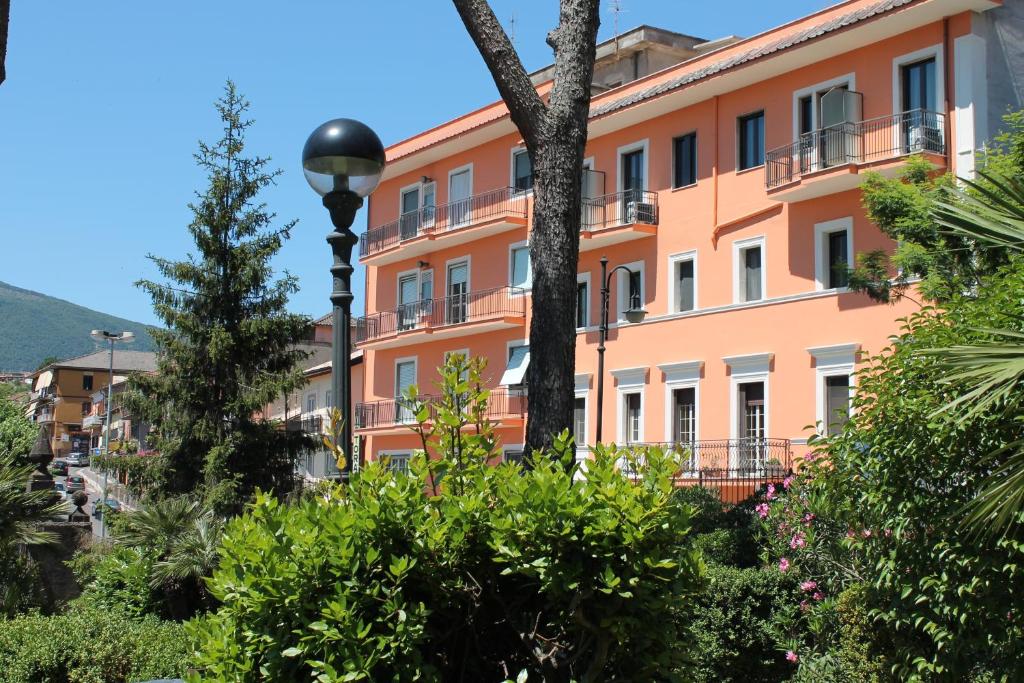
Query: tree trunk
5,17
555,135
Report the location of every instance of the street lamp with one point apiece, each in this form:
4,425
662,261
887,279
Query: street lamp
343,161
633,315
111,338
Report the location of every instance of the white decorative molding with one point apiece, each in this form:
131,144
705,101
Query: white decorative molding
834,356
685,371
749,364
630,377
582,382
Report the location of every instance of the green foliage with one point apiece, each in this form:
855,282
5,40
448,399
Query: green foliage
735,624
119,578
58,329
21,586
17,433
144,474
230,345
460,571
90,644
907,468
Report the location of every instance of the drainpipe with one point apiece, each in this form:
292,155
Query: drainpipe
947,60
714,168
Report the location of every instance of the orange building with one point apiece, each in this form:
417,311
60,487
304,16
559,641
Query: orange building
725,175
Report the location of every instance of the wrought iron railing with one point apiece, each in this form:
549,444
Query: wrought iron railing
456,309
504,201
736,467
310,424
876,139
619,208
501,403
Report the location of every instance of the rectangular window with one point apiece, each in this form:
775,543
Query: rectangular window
408,304
519,267
806,114
751,140
409,222
405,377
837,403
399,462
685,286
522,171
579,421
838,259
513,454
921,130
632,414
86,408
684,157
750,274
919,90
329,399
311,403
635,300
582,304
87,382
750,450
684,414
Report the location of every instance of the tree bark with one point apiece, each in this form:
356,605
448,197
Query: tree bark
5,17
555,135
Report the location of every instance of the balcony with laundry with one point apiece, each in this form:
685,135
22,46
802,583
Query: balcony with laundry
833,156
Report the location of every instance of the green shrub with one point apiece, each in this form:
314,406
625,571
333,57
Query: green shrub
90,644
461,571
734,623
723,547
118,576
21,586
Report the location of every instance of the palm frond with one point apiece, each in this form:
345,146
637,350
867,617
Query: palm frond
997,506
993,370
992,215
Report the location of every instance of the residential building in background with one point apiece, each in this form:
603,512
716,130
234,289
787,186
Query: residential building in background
63,393
124,427
725,175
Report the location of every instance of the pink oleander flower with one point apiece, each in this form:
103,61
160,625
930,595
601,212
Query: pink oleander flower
804,606
783,565
798,541
792,656
866,533
887,533
787,482
762,510
850,534
809,517
818,596
808,586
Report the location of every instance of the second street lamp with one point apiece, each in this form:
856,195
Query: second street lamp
634,314
111,338
343,161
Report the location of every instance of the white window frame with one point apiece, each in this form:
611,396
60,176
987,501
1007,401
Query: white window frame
511,265
673,281
682,375
585,278
622,289
512,171
739,139
509,345
512,448
672,160
398,284
832,361
392,453
306,409
898,63
849,80
629,381
821,265
754,367
581,386
626,149
448,190
418,186
738,247
467,259
415,373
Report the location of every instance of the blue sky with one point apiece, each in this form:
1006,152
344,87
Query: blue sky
104,102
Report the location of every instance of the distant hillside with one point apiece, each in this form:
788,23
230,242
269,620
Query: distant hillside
34,326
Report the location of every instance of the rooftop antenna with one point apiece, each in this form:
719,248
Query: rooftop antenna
512,29
616,7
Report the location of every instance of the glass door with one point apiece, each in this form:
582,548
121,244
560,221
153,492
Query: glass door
684,424
407,303
632,183
409,221
405,377
459,202
751,449
458,293
919,95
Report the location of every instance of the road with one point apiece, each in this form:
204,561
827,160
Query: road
92,488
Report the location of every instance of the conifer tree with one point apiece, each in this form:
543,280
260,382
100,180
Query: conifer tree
229,346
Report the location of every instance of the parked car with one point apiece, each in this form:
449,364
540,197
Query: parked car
75,483
59,467
99,509
60,489
78,459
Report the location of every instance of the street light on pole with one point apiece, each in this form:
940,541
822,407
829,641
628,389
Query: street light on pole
634,314
111,338
343,161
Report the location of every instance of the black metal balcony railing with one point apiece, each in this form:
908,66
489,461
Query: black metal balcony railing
456,309
501,403
875,139
619,208
736,467
504,201
310,424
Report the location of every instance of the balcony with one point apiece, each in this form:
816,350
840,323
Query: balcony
505,407
736,467
90,421
465,220
831,159
445,318
618,217
308,424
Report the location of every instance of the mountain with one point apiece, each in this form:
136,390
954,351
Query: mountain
35,326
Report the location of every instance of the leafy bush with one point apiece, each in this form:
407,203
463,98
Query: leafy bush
118,577
724,533
735,624
461,571
90,644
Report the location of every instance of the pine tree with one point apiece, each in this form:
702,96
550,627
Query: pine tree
229,345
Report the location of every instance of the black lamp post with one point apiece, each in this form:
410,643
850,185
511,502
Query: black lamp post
633,315
343,161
